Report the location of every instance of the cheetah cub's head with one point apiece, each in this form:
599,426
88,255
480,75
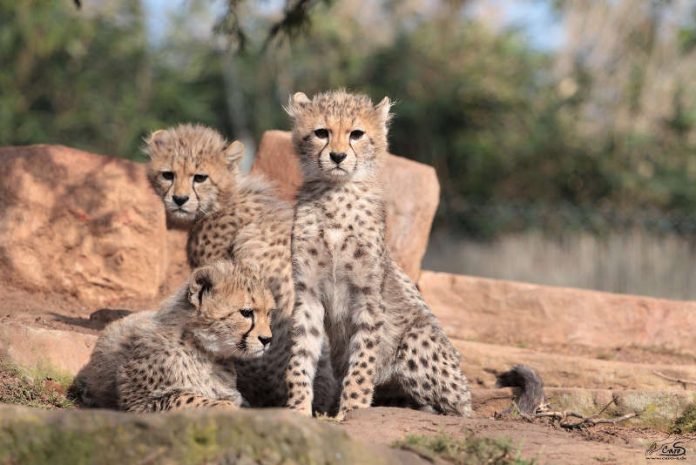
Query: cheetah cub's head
190,166
339,136
232,310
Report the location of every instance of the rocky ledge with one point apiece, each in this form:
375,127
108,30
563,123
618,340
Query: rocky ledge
248,437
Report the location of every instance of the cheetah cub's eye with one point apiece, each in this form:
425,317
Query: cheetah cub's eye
168,175
356,134
321,133
200,177
246,312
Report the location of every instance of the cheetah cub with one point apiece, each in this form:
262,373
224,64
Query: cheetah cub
181,355
234,217
381,333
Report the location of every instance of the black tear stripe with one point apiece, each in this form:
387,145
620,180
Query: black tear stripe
193,188
171,186
350,144
243,342
318,155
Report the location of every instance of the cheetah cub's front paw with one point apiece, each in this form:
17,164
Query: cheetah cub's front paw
300,402
304,410
344,412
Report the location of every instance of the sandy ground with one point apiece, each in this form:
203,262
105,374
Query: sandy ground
543,443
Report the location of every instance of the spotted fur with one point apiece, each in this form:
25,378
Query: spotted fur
181,356
239,218
348,288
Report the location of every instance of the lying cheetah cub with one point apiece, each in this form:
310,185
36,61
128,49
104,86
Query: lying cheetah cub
239,218
380,331
181,355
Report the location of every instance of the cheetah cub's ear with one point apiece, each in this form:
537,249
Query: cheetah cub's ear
382,109
296,103
156,143
158,139
234,152
201,282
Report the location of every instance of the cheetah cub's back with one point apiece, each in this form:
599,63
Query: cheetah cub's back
181,355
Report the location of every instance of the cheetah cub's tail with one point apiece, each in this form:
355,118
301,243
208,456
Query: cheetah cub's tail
527,387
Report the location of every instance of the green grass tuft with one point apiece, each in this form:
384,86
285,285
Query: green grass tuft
35,389
467,450
686,422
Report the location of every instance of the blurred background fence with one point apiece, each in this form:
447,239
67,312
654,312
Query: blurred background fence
641,253
563,131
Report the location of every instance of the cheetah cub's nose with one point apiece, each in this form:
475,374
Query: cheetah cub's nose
180,200
265,340
337,157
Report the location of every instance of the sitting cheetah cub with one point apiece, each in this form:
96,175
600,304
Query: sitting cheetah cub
380,331
181,355
239,218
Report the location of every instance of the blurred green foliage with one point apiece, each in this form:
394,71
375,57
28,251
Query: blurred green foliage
506,132
67,79
89,79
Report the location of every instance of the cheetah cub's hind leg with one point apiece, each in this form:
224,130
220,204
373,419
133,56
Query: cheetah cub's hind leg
178,400
427,368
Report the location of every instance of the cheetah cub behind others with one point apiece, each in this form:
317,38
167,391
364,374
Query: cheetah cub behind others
380,331
239,218
181,355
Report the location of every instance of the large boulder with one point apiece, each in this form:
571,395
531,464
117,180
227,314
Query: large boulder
507,312
411,191
42,350
80,224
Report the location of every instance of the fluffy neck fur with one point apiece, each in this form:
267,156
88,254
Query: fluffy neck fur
239,190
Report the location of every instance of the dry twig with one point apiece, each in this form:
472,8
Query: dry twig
562,418
683,382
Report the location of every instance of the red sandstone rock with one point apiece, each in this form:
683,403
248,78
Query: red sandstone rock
48,350
81,224
506,312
